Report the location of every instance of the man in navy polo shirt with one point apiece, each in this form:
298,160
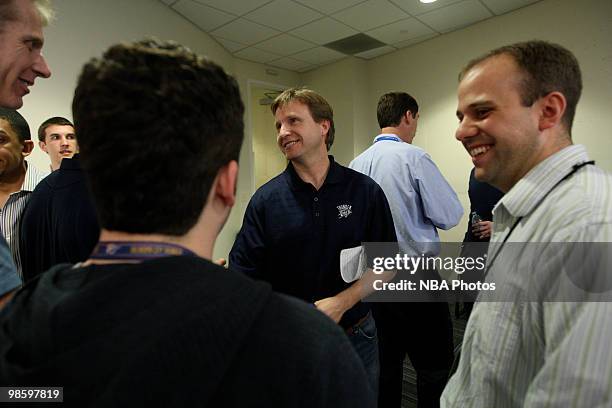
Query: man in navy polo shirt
296,224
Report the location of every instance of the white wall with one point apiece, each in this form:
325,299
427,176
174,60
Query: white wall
343,85
429,71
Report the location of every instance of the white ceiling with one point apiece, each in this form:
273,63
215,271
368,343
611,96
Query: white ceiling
290,33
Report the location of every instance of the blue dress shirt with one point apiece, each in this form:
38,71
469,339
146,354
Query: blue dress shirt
421,200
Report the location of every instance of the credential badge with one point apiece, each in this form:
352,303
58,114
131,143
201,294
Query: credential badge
344,211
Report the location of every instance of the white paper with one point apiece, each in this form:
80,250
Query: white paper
352,263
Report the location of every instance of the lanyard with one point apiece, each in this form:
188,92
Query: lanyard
575,168
392,138
138,251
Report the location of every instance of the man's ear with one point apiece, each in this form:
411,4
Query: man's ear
227,178
408,117
324,126
43,147
551,110
28,146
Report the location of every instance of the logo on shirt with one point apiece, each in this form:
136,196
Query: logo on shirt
344,211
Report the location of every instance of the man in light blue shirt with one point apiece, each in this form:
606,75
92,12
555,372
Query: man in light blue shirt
421,201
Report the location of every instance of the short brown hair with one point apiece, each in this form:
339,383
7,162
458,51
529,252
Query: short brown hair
392,107
547,68
56,120
318,106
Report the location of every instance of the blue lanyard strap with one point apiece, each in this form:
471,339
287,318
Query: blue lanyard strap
392,138
139,251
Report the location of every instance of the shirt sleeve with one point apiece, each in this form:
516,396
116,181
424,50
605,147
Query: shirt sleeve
440,202
576,335
380,227
576,368
248,252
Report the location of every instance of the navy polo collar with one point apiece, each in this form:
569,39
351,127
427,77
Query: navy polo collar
71,163
334,175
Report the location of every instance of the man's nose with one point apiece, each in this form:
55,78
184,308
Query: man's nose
41,68
284,131
465,130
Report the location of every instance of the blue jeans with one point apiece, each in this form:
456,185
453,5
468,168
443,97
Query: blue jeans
365,342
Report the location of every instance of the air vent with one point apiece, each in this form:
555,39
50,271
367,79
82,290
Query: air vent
355,44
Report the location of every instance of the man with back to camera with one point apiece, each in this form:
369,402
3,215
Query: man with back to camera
21,61
148,320
516,106
296,224
57,138
421,201
60,224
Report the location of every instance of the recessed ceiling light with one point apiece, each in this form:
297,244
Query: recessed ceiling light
427,1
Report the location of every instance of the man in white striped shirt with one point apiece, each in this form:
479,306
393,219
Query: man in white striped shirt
17,178
526,345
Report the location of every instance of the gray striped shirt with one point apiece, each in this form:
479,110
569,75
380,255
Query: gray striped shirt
10,214
536,353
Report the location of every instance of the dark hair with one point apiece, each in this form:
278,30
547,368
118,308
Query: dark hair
547,68
317,105
17,122
56,120
156,122
392,106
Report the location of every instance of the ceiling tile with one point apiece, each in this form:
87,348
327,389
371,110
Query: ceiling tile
245,32
400,31
292,64
370,14
376,52
283,15
455,16
503,6
415,7
285,44
319,55
329,7
256,55
231,46
413,41
237,7
324,31
206,18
